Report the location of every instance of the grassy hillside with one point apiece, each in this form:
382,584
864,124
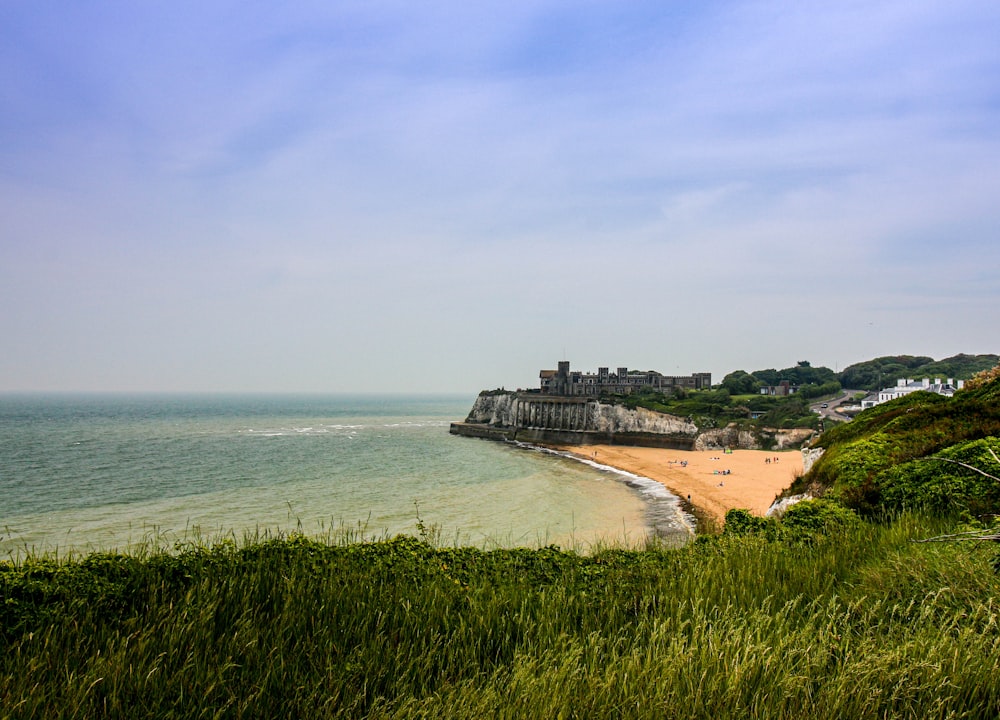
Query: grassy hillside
859,623
906,453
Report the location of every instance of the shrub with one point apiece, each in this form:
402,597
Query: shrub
817,517
946,481
743,522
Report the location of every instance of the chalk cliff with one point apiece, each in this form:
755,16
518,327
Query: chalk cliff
540,418
735,437
618,419
493,408
500,409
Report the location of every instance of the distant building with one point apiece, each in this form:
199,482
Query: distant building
623,382
781,389
905,386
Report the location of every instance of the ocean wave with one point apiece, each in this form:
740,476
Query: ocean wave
433,423
306,430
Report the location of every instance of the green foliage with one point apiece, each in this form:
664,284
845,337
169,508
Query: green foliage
805,520
862,622
740,382
707,407
802,374
940,484
960,366
884,371
743,522
716,408
815,391
877,373
811,517
984,386
789,412
738,395
877,462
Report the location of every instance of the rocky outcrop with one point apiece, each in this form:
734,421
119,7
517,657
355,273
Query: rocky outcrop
779,506
786,439
732,436
728,437
809,458
618,419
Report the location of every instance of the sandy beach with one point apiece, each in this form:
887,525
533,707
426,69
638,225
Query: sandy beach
753,480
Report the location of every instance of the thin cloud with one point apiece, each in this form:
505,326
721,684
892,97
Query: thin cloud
447,184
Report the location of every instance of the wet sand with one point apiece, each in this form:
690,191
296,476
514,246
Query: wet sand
752,482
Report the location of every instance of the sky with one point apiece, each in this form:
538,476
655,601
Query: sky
381,196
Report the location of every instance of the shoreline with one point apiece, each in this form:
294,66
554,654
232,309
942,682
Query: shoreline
708,482
691,518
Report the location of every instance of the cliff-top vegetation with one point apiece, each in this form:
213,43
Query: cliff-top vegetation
869,375
878,373
920,451
738,398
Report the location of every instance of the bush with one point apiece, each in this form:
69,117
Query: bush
743,522
941,484
811,517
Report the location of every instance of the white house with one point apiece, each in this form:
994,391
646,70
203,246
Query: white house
904,386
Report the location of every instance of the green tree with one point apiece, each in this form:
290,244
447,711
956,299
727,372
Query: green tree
740,382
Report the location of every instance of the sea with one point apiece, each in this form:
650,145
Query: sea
82,473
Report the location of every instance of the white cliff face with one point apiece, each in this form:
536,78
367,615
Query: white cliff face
732,436
778,507
615,418
493,409
809,457
500,409
726,437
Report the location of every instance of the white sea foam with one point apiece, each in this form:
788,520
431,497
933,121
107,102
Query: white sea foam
652,490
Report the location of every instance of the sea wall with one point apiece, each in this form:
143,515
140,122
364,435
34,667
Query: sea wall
543,436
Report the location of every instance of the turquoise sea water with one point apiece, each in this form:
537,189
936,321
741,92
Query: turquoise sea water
84,472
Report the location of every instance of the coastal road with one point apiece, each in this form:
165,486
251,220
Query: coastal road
828,408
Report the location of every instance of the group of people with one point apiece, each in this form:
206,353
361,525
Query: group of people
768,461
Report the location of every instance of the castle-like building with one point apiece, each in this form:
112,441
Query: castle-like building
624,382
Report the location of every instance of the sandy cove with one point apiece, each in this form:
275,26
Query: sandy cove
755,477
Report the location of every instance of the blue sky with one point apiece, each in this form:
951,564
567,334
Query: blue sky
435,197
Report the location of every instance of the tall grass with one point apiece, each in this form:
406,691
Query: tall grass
864,623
